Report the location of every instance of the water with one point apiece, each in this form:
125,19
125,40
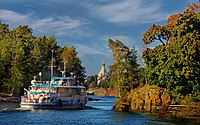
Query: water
101,115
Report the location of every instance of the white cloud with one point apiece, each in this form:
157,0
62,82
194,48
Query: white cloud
128,11
14,17
57,25
54,25
86,50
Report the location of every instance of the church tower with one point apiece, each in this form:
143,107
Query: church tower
102,74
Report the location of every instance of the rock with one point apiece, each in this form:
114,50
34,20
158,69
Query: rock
185,111
144,99
155,100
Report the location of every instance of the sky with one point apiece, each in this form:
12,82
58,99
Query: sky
88,24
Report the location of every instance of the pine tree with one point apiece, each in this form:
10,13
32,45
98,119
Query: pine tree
124,73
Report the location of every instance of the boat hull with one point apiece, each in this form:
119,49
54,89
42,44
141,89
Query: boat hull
51,106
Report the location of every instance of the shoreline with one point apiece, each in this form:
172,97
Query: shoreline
169,115
9,99
188,113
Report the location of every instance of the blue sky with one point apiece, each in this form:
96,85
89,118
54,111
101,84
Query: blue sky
88,24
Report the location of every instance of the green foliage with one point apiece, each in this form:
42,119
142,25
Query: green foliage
23,56
104,85
176,65
69,56
92,81
156,33
124,73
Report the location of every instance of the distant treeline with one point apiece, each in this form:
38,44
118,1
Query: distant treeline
23,56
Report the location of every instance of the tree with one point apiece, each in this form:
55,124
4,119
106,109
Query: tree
12,57
4,59
24,36
156,33
23,56
70,58
176,64
92,81
3,30
124,73
41,52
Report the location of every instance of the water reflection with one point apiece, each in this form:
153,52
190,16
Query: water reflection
100,115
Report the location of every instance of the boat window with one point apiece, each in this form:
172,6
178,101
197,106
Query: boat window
73,91
83,90
70,82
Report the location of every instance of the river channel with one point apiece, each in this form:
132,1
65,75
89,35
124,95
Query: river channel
102,114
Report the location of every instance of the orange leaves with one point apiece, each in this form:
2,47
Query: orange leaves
171,39
151,34
168,46
175,64
172,18
67,53
156,33
192,8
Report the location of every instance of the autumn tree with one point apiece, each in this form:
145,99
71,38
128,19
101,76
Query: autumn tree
72,63
175,64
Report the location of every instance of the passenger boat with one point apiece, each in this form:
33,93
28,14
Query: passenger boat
58,93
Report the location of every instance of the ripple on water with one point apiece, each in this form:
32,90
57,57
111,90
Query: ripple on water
100,115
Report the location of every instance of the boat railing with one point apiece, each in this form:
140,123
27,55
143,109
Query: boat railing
27,92
57,81
38,99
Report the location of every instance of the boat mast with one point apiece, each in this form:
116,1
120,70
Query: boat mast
52,66
63,72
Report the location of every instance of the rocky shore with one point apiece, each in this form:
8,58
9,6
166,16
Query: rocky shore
155,100
8,98
104,92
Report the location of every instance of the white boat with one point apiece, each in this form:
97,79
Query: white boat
59,93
